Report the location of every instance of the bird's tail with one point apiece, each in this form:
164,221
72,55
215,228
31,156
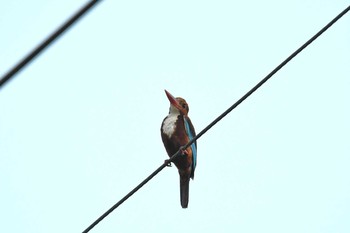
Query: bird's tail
184,190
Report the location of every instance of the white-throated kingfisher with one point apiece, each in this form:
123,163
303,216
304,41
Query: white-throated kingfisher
177,130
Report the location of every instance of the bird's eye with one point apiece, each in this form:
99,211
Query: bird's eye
184,105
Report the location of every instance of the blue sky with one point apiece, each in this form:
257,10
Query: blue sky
80,126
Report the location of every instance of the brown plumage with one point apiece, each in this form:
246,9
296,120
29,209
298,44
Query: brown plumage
174,135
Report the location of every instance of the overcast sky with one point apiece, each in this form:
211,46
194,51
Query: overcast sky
80,126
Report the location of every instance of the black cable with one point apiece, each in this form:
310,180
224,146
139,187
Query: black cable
219,118
267,77
128,195
46,42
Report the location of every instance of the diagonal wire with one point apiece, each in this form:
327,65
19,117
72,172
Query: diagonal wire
22,63
219,118
288,59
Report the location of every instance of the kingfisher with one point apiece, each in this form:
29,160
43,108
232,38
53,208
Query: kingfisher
177,130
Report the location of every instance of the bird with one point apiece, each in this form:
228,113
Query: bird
176,131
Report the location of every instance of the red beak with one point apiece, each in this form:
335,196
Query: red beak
172,100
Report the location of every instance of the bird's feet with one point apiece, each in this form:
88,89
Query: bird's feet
184,151
167,163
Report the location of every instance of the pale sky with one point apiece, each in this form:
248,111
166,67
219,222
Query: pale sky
80,126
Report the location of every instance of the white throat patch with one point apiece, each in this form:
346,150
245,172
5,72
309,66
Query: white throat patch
169,124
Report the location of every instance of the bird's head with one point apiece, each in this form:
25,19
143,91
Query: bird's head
177,104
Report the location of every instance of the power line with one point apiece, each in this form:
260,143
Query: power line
46,42
257,86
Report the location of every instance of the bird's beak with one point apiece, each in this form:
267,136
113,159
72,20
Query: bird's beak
172,100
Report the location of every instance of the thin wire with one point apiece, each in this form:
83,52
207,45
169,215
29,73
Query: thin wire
219,118
22,63
267,77
129,194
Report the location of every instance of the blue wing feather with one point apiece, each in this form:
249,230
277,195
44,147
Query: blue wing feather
193,146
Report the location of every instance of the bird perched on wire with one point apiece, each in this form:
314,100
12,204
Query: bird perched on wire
177,130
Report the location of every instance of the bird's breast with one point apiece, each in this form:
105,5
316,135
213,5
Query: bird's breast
169,125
